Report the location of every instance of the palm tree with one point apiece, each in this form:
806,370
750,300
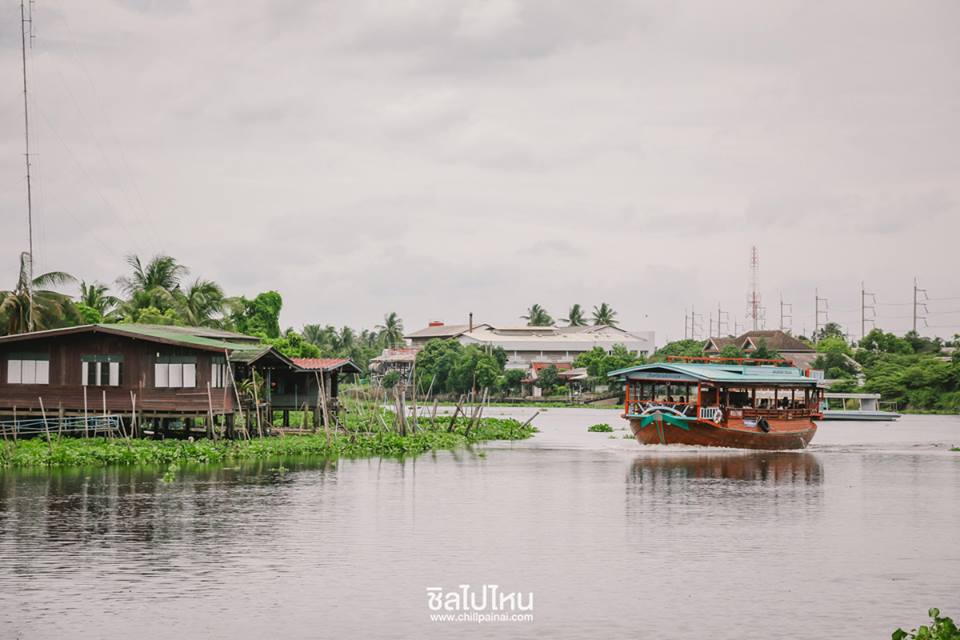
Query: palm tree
604,315
201,303
96,297
537,316
575,317
48,308
153,284
391,331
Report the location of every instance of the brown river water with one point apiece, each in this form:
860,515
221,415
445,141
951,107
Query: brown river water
849,539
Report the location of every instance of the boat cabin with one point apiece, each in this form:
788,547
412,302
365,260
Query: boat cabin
719,391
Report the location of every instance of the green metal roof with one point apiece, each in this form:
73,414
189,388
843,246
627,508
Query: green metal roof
722,373
183,335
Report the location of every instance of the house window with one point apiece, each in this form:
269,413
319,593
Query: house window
218,373
28,369
175,372
101,371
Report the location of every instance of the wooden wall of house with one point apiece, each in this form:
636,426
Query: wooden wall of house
294,388
66,354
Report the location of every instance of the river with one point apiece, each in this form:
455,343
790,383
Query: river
849,539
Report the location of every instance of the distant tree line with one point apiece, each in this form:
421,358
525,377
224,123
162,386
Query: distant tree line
158,291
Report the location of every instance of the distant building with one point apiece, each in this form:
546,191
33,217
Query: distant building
534,348
786,345
399,360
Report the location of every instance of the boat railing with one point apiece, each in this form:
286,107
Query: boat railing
637,407
713,414
778,413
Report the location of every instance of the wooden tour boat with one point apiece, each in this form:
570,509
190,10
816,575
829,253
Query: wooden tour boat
718,402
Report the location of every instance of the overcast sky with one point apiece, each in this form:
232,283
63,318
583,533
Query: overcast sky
436,157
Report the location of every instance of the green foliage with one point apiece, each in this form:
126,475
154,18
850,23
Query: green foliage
537,316
293,345
474,368
511,381
603,427
547,379
834,358
599,363
880,342
604,315
685,348
88,315
62,452
258,317
390,379
435,362
764,352
391,331
152,315
940,628
575,317
829,330
732,351
920,382
48,309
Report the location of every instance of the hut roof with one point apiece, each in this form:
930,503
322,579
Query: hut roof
327,364
196,337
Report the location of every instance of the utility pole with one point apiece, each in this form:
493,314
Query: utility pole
786,313
720,321
26,134
864,308
818,312
686,320
917,303
753,299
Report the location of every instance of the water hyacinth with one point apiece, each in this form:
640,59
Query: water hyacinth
64,452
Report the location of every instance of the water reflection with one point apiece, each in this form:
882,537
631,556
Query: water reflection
762,467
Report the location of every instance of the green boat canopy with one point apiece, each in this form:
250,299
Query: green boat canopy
719,373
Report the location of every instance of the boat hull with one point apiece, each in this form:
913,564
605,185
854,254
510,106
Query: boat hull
860,416
783,434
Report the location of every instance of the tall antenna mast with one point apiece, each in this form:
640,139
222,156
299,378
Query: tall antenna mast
26,133
753,300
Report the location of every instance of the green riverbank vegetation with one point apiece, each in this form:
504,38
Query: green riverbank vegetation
346,443
940,628
602,427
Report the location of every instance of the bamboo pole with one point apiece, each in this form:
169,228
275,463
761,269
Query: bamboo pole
16,425
46,427
133,414
105,421
256,402
86,430
211,431
236,392
321,401
453,418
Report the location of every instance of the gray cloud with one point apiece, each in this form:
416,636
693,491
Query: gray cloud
436,157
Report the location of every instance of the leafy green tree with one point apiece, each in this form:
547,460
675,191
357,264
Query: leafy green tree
152,284
258,317
685,348
537,316
764,352
391,331
201,304
835,358
575,317
293,345
500,355
435,362
152,315
474,369
511,380
95,298
879,341
49,309
732,351
547,379
599,363
390,379
829,330
604,315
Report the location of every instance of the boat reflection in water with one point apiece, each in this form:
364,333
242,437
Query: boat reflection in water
763,467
